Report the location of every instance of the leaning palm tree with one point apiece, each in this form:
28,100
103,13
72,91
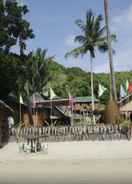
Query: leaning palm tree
92,38
113,93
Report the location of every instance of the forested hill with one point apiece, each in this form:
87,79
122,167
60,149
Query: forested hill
77,82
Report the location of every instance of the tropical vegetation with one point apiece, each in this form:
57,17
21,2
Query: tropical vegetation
29,73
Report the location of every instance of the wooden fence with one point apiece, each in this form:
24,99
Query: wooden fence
74,133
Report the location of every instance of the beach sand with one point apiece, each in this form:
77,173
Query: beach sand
83,162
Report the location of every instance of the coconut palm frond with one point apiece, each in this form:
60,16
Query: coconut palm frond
103,47
75,52
80,39
92,37
101,31
89,17
80,24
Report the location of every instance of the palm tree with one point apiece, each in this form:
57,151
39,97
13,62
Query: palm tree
91,39
34,77
37,70
37,74
113,94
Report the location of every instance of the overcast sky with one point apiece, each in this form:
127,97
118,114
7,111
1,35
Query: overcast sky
53,22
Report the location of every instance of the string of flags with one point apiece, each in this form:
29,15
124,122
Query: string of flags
124,91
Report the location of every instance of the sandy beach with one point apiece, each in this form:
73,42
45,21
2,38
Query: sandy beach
69,162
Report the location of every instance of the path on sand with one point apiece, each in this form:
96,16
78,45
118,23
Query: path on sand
69,162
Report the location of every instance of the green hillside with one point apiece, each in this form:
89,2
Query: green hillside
77,81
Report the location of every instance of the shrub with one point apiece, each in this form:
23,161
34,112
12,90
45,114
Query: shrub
126,124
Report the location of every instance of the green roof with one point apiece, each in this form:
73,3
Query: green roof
84,99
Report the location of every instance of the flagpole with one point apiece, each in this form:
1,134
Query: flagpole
20,112
36,115
34,110
71,104
20,107
51,105
72,115
52,95
51,111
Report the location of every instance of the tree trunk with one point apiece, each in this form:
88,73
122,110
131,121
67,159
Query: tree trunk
92,86
113,93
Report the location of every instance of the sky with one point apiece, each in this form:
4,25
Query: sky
53,22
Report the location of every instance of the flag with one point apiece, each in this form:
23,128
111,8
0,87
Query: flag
52,94
45,94
45,91
71,100
130,87
21,99
122,92
127,85
102,89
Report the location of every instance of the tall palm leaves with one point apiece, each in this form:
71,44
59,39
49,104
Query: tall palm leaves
92,36
34,77
91,39
37,74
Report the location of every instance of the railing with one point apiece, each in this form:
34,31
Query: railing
74,133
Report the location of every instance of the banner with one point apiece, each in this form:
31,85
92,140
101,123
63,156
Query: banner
122,92
21,99
102,89
130,87
52,94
